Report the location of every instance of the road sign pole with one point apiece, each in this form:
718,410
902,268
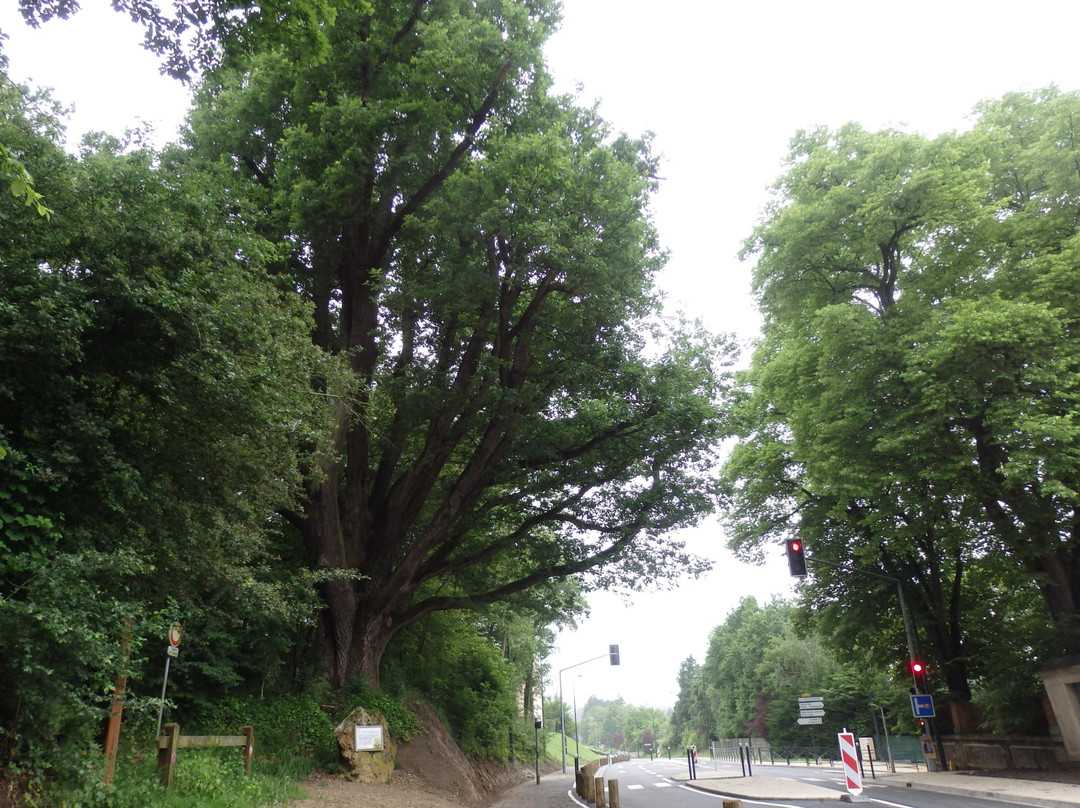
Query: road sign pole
164,684
175,634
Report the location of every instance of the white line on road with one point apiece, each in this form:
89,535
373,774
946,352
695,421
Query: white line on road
886,802
744,799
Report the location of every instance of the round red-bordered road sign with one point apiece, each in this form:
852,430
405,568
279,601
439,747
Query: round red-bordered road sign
175,634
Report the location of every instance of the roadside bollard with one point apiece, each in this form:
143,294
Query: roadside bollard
613,793
598,790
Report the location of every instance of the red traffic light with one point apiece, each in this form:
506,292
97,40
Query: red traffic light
796,558
918,667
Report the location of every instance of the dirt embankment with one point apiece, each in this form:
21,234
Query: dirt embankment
432,772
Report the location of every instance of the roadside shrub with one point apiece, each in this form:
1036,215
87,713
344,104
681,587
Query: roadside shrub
286,725
402,725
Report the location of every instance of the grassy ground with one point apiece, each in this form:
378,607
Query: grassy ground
586,754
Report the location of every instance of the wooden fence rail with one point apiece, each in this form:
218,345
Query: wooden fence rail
170,740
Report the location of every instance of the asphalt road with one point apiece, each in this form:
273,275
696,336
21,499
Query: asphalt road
648,784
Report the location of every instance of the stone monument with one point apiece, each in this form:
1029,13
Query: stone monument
367,753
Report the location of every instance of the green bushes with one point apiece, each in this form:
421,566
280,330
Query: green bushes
286,726
464,675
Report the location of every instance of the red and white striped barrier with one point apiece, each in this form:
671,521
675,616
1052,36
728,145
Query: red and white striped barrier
850,759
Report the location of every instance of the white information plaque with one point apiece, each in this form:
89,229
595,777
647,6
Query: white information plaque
368,739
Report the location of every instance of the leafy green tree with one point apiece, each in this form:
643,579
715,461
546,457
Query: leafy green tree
482,255
906,412
154,408
730,671
691,719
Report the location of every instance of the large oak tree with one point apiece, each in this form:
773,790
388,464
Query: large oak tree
481,253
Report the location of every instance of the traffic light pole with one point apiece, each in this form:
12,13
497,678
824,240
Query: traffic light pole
908,632
911,646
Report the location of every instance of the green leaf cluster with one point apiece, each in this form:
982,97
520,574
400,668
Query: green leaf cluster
909,410
155,414
760,661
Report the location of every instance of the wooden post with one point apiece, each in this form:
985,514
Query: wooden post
112,732
587,781
116,709
598,790
613,793
249,748
166,757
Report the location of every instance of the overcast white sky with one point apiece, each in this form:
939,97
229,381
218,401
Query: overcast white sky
723,86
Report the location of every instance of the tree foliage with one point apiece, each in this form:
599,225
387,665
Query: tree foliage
757,666
614,724
154,408
909,408
482,254
199,35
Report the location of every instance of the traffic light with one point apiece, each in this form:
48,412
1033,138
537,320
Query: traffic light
918,676
796,557
613,654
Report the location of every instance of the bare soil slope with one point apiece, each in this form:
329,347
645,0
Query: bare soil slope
432,772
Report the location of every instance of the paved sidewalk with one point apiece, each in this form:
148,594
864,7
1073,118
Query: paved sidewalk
1030,792
552,792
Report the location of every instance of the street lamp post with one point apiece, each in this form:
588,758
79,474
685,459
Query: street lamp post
613,656
577,732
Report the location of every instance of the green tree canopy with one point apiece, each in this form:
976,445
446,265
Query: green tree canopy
482,254
155,405
909,407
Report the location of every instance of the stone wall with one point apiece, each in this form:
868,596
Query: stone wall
989,752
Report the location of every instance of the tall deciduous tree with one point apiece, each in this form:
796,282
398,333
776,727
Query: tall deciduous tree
482,254
908,409
155,402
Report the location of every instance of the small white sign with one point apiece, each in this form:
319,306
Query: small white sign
172,651
368,739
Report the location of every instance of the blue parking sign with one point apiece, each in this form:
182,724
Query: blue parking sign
922,706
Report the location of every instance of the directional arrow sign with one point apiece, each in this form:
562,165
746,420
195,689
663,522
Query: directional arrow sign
811,705
811,713
811,698
805,721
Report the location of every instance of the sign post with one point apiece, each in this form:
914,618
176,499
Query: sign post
173,649
811,710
